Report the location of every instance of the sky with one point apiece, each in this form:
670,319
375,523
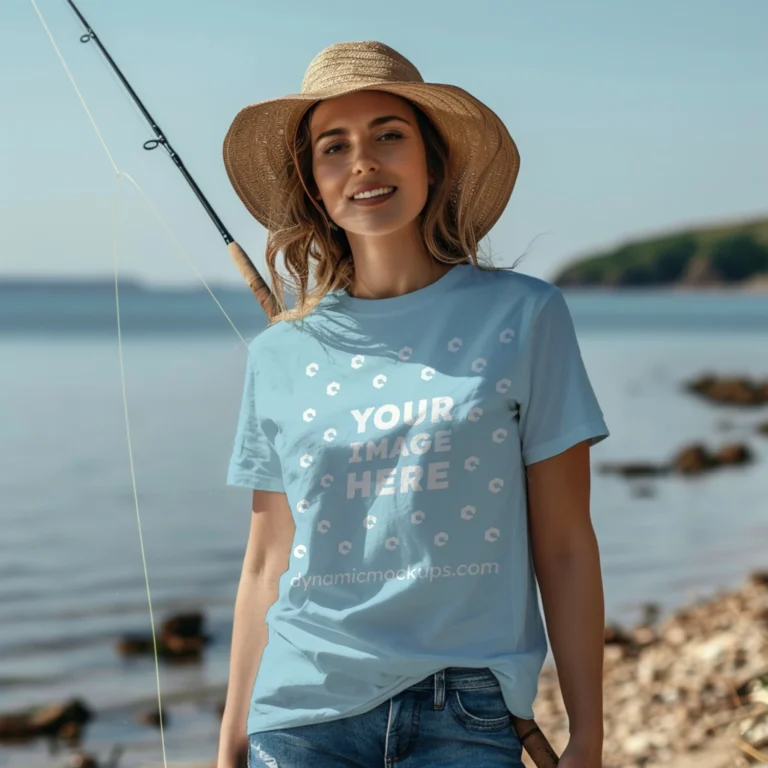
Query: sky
631,119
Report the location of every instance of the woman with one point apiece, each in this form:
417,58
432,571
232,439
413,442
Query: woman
416,434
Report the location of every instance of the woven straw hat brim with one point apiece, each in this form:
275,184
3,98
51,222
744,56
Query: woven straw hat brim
256,147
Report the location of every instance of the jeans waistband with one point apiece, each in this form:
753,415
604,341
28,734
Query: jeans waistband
457,679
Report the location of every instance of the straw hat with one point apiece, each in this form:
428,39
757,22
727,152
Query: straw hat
256,147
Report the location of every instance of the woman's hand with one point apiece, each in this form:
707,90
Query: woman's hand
578,755
232,753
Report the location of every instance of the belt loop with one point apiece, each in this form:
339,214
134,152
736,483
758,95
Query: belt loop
440,689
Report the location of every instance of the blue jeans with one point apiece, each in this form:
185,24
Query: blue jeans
456,717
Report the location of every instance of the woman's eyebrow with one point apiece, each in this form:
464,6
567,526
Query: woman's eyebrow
376,121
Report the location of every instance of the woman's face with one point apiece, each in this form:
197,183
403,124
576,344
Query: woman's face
369,140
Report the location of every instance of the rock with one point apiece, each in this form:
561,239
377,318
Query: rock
613,654
615,635
651,613
183,625
84,760
51,717
733,455
152,717
639,743
70,732
701,384
62,720
182,647
634,469
642,636
693,460
133,645
759,578
762,428
15,728
181,638
730,390
647,670
690,460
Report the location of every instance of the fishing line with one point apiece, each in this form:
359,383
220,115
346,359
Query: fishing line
74,85
115,250
183,252
115,230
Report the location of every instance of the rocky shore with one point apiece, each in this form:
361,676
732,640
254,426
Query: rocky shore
698,458
689,691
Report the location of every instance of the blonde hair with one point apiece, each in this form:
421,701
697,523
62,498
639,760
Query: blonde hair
305,237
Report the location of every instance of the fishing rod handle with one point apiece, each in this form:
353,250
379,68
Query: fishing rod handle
535,743
259,288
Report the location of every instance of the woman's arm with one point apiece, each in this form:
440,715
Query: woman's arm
267,556
567,564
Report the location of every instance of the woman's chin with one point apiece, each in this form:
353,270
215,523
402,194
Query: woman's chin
378,226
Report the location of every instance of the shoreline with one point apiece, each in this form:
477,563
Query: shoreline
98,285
676,689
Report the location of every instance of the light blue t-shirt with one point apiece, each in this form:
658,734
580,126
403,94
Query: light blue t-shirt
400,429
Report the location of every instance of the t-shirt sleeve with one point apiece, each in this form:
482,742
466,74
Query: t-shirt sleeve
255,462
559,408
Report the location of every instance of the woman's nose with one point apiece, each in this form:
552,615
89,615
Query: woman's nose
364,161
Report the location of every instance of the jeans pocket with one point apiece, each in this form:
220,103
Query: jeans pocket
481,709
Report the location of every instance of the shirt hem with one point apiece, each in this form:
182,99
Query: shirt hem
594,431
402,685
255,482
399,687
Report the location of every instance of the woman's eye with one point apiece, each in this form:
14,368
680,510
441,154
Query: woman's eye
331,148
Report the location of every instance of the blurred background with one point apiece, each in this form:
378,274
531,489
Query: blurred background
643,193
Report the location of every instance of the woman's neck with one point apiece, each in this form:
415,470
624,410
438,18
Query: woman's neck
392,265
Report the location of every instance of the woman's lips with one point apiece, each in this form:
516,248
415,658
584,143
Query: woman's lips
371,201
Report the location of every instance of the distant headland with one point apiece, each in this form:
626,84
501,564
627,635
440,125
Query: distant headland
723,256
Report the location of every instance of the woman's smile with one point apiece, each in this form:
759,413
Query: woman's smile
375,199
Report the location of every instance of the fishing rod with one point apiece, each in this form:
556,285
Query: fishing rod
255,281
